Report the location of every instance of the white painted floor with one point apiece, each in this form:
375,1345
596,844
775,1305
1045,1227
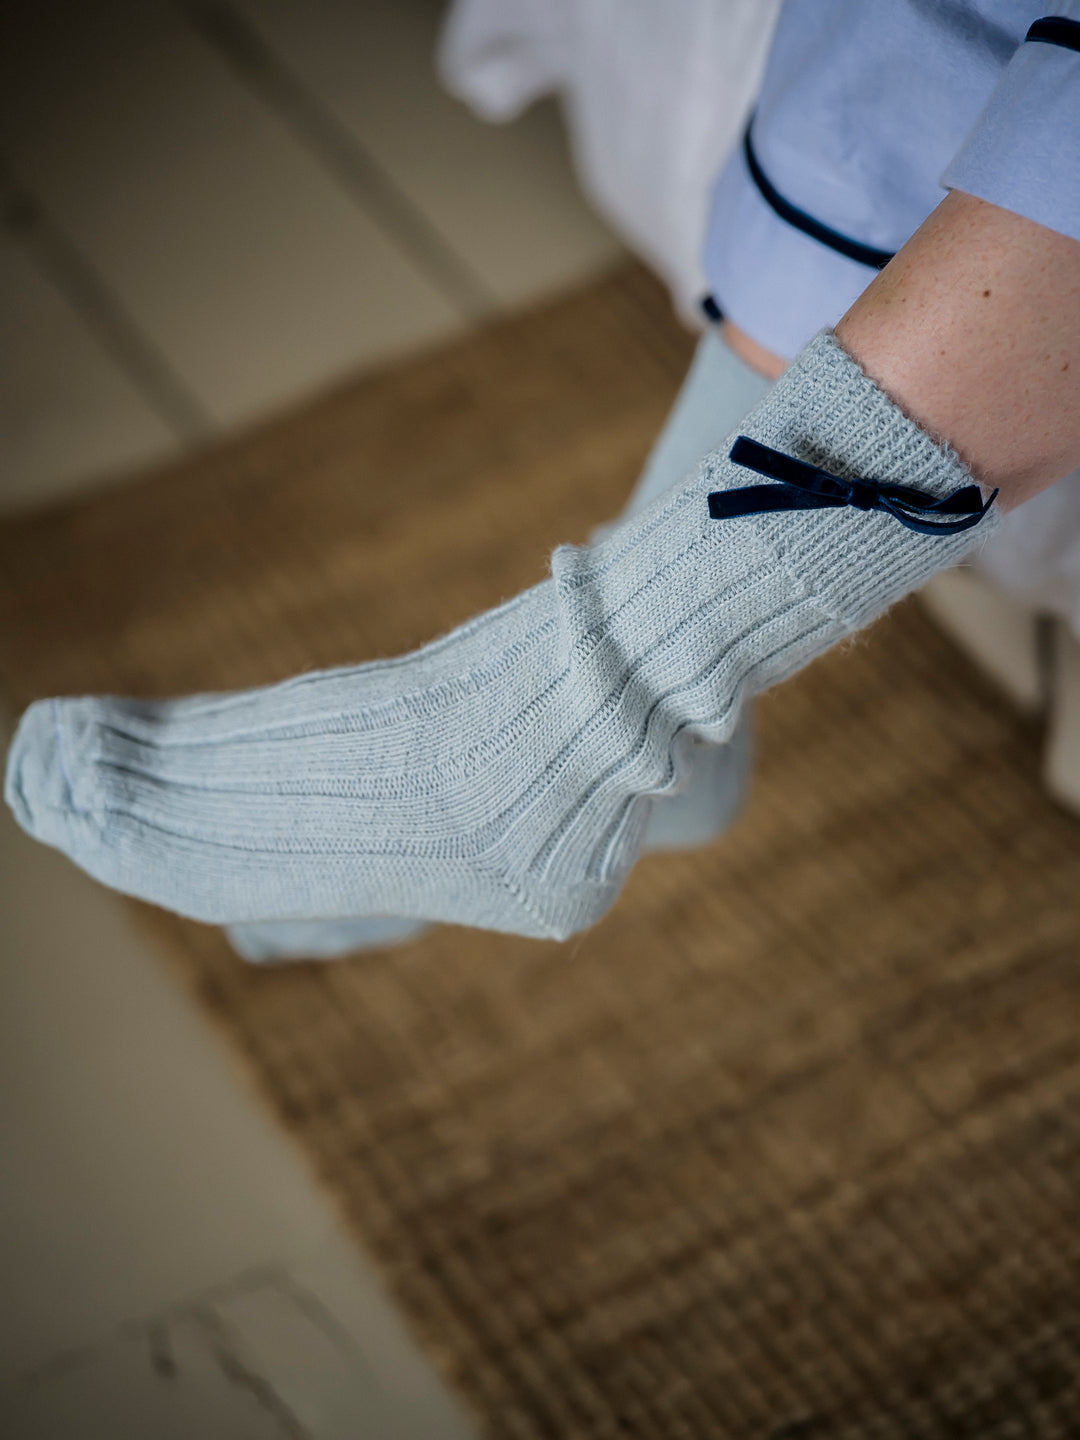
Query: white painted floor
208,211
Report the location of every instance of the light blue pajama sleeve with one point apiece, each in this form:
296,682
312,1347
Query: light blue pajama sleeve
1024,151
867,114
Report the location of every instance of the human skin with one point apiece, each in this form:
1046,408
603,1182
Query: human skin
973,329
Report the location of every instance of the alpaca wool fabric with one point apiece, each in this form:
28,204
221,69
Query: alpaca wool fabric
502,776
718,391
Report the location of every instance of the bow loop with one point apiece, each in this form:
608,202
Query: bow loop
800,486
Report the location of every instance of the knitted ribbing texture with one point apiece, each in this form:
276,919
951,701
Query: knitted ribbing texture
501,776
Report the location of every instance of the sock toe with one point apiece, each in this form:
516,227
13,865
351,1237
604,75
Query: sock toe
47,785
37,786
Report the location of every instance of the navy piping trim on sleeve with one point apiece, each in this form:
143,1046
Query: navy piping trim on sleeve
853,249
1056,30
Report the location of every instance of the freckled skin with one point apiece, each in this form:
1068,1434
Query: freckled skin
993,380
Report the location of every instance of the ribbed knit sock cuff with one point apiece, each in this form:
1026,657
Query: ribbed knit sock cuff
827,411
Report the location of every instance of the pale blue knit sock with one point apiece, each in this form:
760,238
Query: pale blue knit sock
502,776
719,390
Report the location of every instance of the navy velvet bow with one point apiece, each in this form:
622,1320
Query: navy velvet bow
804,487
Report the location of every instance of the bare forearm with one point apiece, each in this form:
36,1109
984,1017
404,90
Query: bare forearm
974,330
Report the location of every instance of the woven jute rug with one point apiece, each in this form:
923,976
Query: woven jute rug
789,1146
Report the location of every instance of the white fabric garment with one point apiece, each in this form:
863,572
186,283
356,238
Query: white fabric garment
656,93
